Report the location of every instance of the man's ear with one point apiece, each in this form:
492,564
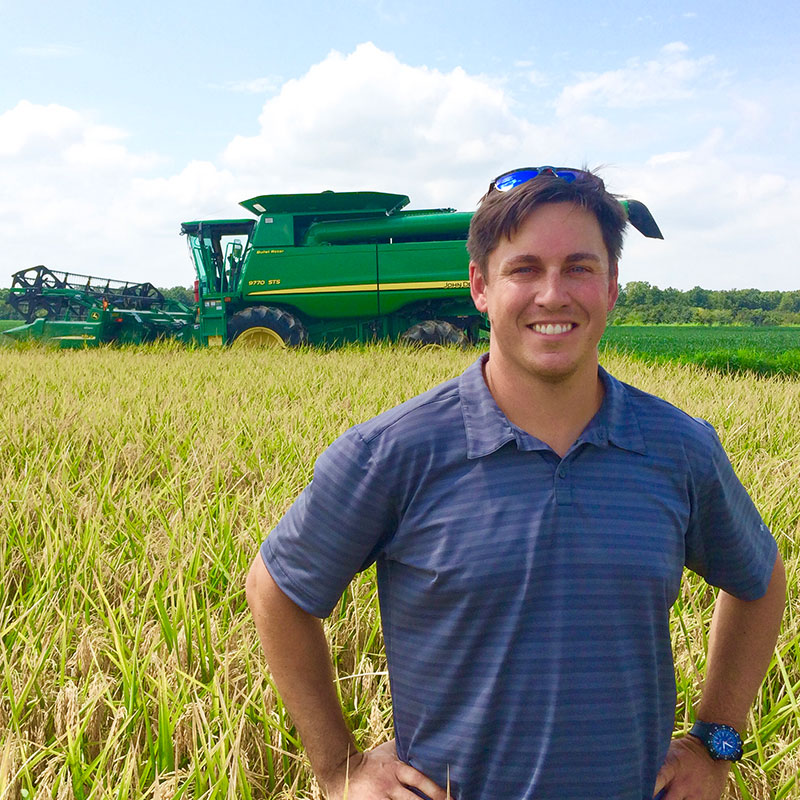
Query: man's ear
477,287
613,285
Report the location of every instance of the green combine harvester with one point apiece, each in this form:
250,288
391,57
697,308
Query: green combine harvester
323,268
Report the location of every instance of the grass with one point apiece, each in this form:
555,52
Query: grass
138,483
733,349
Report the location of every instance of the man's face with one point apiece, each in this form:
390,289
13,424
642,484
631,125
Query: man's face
547,294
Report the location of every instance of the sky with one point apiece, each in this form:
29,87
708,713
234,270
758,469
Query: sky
120,120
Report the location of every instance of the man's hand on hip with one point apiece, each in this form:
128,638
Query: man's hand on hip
379,774
689,772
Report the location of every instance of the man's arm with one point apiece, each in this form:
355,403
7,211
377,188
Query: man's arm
741,642
299,659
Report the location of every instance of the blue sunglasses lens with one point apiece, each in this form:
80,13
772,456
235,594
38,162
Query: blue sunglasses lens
566,175
512,179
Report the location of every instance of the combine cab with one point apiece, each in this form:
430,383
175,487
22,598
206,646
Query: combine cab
77,310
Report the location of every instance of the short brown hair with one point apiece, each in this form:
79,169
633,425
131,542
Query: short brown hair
500,214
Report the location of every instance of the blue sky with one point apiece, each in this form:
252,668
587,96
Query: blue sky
120,120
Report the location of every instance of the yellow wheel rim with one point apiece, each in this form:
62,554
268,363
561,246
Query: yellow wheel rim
259,337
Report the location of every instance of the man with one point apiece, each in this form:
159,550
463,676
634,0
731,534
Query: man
530,521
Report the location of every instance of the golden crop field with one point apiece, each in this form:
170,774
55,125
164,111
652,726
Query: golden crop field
137,484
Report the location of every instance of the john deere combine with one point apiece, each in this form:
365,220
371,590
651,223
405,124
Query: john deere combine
329,267
333,267
320,268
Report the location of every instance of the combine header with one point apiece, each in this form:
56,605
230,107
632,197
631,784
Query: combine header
78,310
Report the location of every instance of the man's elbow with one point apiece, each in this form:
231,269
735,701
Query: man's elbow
264,596
776,589
259,586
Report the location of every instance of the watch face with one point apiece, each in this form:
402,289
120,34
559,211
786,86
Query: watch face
726,743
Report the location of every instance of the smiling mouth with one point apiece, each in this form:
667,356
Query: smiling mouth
552,329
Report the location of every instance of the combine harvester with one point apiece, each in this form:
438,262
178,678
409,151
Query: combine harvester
320,268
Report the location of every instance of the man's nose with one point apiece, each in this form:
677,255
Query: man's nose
552,290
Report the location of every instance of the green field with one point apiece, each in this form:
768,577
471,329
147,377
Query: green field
137,486
764,351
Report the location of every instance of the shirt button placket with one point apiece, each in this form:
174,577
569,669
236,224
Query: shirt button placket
563,485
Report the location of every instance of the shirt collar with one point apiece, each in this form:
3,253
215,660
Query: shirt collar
615,422
488,429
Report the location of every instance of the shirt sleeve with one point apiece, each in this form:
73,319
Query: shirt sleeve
334,529
727,542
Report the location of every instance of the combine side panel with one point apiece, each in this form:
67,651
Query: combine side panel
432,272
318,282
64,334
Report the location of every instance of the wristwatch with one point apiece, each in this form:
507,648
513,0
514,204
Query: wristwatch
722,741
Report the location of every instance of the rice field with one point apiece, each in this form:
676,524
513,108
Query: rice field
137,486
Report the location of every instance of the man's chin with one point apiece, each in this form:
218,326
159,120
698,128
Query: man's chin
554,376
555,372
547,373
548,368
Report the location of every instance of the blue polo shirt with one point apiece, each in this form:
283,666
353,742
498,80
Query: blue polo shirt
525,597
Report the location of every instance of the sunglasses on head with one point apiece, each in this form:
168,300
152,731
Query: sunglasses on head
638,214
508,180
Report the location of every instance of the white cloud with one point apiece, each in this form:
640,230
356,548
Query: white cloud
673,76
59,137
368,118
29,128
725,226
668,158
64,179
675,48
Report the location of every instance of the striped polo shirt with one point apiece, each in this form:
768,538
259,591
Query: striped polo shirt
525,597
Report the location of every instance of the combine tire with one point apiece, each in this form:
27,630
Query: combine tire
265,326
435,331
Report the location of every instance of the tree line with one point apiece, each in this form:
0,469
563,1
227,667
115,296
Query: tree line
641,303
